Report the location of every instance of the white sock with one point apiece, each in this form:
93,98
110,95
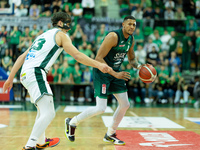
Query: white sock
100,108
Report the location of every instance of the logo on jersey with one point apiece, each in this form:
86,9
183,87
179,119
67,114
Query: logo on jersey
103,88
31,54
121,45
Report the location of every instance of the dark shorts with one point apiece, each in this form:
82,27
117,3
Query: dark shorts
105,84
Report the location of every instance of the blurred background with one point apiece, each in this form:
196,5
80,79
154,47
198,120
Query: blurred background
167,36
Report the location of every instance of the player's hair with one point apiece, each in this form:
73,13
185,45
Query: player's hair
59,16
129,17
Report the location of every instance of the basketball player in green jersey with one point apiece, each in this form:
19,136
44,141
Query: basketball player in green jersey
36,62
116,45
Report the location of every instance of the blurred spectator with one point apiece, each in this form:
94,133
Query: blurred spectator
67,9
197,13
26,3
174,61
138,37
34,12
179,3
56,5
181,91
77,35
140,54
179,48
100,34
46,5
86,49
153,35
134,4
152,56
46,13
34,32
14,42
162,59
148,17
87,78
3,32
179,14
169,14
158,3
21,11
158,14
155,91
6,60
170,4
172,42
148,45
191,25
164,39
196,91
189,7
171,89
88,7
3,46
4,4
157,40
65,76
137,13
145,3
77,74
25,44
187,50
77,11
55,72
197,50
73,1
104,7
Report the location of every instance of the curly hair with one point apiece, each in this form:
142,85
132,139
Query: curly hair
60,16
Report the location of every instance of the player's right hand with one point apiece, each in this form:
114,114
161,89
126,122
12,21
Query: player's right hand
123,75
104,68
7,85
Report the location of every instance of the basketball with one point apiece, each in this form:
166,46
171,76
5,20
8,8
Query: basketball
147,73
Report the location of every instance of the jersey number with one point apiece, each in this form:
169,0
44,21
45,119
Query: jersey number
38,44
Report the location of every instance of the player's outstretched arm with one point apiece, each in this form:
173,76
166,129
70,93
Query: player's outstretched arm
9,82
65,41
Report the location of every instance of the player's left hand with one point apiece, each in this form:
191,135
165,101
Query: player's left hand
7,85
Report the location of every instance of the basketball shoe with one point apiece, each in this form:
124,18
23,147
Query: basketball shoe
48,143
69,130
30,148
113,139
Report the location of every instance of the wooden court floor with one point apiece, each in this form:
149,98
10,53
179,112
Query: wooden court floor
89,134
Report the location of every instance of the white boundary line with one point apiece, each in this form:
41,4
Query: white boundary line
135,115
10,106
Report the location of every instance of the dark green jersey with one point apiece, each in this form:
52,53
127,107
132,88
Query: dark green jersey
117,54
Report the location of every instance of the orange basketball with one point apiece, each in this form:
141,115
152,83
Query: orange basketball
147,73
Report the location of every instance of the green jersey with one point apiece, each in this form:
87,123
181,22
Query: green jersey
116,55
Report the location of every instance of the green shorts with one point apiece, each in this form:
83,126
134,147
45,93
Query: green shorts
105,84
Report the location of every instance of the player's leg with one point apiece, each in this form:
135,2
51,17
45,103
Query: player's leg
124,104
70,124
46,114
101,86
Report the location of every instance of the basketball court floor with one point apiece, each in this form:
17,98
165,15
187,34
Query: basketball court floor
152,127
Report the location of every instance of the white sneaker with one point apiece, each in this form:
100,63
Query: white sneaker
113,139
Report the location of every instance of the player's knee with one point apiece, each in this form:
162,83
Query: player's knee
125,106
101,110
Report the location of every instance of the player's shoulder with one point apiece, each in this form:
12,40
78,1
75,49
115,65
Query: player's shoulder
112,35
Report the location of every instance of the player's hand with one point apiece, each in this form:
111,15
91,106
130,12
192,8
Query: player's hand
7,85
123,75
104,68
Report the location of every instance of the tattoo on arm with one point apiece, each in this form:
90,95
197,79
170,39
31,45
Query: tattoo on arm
134,63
